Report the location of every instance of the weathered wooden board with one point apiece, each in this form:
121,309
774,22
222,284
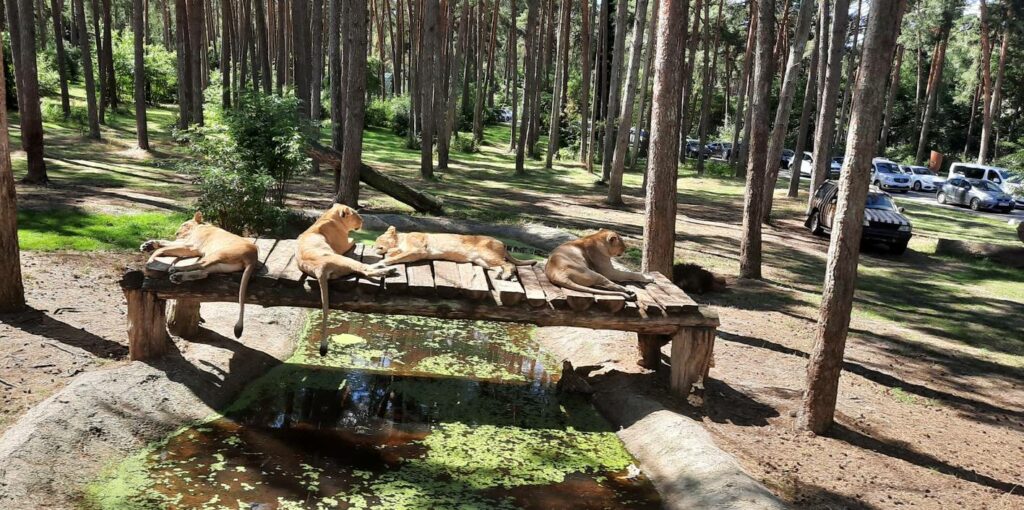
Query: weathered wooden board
534,292
506,292
284,265
553,294
398,281
349,282
610,304
370,286
647,306
473,282
578,300
675,299
421,279
446,278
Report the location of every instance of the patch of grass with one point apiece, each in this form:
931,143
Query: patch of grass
75,229
901,396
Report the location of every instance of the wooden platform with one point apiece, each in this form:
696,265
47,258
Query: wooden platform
661,311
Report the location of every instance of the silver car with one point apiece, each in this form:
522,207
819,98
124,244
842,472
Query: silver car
976,193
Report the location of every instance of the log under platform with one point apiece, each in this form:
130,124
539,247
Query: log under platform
661,313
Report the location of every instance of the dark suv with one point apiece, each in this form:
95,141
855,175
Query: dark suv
883,221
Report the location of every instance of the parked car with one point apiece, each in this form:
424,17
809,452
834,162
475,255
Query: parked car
886,175
787,158
883,221
693,148
835,165
719,149
504,115
976,193
921,178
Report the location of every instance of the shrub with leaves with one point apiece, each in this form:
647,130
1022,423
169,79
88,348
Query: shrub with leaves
161,70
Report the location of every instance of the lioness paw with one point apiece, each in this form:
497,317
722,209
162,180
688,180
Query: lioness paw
148,246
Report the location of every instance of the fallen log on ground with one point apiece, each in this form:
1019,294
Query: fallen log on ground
418,200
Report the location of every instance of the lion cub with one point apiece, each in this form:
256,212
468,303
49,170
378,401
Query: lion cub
586,263
483,251
219,251
320,254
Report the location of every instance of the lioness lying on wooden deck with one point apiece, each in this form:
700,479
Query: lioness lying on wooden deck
219,251
320,254
483,251
585,265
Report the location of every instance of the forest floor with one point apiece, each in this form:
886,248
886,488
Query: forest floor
931,404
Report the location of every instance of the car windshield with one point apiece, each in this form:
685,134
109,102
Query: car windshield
920,170
1003,174
885,168
1015,179
987,186
880,201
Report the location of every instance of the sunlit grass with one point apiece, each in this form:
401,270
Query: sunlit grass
78,230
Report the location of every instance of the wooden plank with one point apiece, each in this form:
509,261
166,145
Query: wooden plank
446,278
610,304
508,293
398,281
283,265
553,293
671,297
421,278
473,282
577,300
370,286
186,261
348,283
647,306
534,292
158,267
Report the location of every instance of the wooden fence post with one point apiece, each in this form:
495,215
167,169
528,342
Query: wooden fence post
692,357
147,320
183,318
650,349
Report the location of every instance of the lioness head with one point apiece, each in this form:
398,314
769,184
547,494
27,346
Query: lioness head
386,241
186,228
614,242
348,216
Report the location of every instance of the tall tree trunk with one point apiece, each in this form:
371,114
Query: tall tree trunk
337,89
851,78
355,87
12,290
660,204
825,126
226,56
997,92
645,109
791,78
184,68
447,99
561,62
688,66
894,87
429,84
825,365
108,57
626,111
585,31
970,121
262,45
615,89
705,86
810,97
317,60
539,80
750,243
931,101
986,81
600,80
57,10
301,54
530,82
513,45
87,71
197,50
734,157
141,128
282,52
22,25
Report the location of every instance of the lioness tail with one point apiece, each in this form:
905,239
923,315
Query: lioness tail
242,291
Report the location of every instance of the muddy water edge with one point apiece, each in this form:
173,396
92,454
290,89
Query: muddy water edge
404,412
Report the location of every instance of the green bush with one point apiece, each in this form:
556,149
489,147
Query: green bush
268,134
78,116
161,70
378,114
400,109
464,144
49,78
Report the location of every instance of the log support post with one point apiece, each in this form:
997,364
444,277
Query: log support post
183,318
650,349
147,320
692,357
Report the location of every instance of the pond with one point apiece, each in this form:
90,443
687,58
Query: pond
404,412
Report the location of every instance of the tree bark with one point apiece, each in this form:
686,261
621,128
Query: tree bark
825,365
451,67
317,61
262,45
750,243
707,74
513,45
810,96
57,10
196,52
660,203
530,82
12,290
614,90
826,123
931,101
626,111
585,31
790,79
894,87
355,108
645,109
734,156
22,25
108,58
561,62
141,128
429,84
87,72
997,92
986,81
851,65
687,92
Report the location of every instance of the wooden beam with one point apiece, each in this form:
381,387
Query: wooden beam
692,357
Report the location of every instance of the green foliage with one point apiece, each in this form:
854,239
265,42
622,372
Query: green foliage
161,70
79,230
465,144
390,114
78,115
269,137
378,114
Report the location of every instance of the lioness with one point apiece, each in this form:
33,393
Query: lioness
484,251
586,263
320,253
219,251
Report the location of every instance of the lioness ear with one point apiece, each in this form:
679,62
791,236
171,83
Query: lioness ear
198,217
391,230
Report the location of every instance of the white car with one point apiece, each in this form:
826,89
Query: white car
886,175
1010,183
808,164
921,178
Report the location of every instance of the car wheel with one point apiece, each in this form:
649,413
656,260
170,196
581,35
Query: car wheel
816,224
975,204
941,198
917,186
898,248
878,184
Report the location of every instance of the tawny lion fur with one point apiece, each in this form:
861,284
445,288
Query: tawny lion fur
483,251
219,251
585,265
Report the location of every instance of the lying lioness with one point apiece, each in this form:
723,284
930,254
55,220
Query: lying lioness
320,254
586,263
484,251
219,251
